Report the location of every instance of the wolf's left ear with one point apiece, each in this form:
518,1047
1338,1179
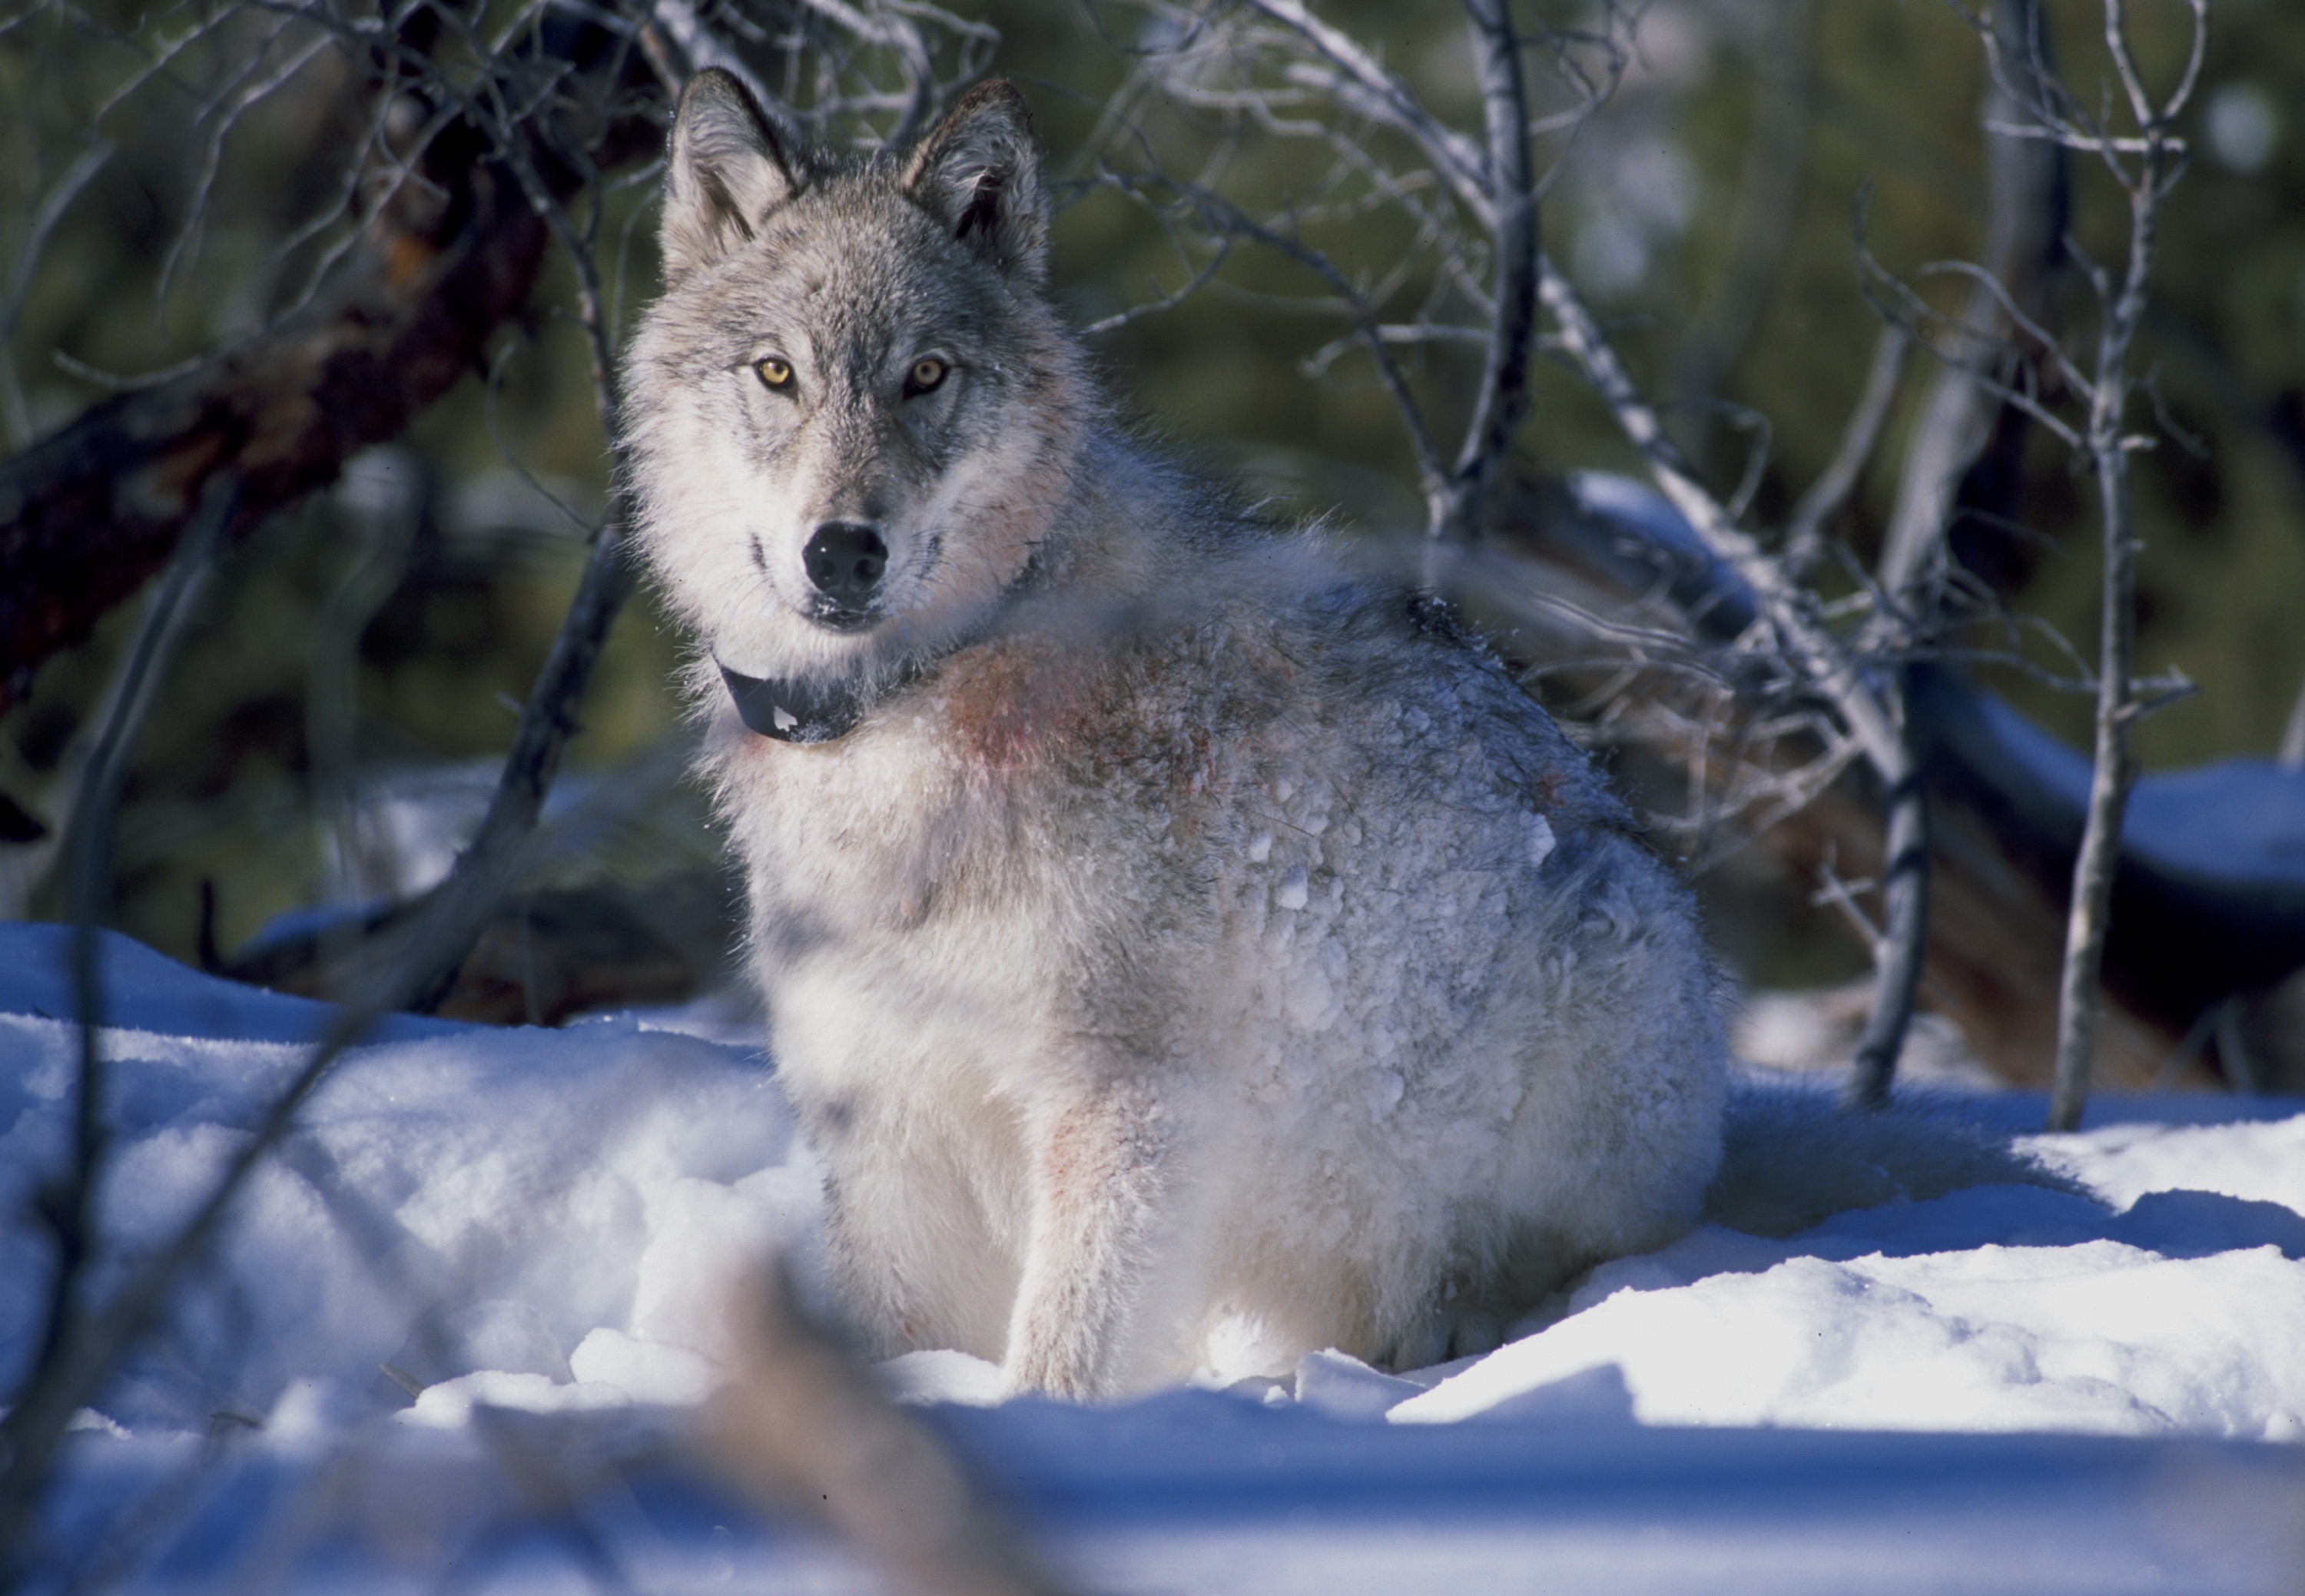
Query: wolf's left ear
725,173
980,170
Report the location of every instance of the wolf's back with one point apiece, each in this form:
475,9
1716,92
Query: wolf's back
1792,1155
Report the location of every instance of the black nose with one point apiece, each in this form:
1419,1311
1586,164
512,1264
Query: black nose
846,559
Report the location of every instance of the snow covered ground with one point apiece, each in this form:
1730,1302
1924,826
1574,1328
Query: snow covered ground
485,1240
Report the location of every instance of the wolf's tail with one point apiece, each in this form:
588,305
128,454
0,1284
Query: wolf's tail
1792,1155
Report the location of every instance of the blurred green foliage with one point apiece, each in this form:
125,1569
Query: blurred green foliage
1653,213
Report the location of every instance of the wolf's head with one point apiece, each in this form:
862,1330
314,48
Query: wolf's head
851,412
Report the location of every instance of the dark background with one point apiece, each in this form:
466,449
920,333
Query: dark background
1706,212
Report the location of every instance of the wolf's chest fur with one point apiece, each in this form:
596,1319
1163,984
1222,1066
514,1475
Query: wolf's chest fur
1195,955
1333,933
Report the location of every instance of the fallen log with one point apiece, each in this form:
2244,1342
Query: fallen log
541,957
89,513
2208,934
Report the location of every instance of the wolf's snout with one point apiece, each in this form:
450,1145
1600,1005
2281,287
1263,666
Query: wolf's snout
846,559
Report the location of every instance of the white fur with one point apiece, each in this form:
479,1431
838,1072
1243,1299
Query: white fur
1208,949
1342,1043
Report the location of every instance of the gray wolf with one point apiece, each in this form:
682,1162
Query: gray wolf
1182,951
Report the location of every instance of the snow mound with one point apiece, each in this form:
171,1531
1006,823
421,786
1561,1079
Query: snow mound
555,1206
541,1227
143,991
540,1220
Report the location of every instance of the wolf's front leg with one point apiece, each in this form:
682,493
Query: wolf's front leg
1109,1250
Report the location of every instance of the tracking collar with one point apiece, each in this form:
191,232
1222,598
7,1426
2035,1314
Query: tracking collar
793,711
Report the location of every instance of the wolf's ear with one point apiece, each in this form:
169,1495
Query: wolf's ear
980,170
726,173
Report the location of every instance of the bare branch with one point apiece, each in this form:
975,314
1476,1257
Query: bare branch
415,963
892,31
77,176
1193,285
1804,532
1384,97
1814,652
187,239
430,282
1904,943
1220,216
803,1427
2023,228
36,1418
2070,140
1817,656
1768,188
2006,303
704,49
1502,399
2291,754
2108,448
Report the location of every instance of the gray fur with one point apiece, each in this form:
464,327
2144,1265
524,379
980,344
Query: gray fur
1209,956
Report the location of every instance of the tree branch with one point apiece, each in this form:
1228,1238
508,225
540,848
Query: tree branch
2025,209
2108,450
1805,530
88,515
1816,654
1503,397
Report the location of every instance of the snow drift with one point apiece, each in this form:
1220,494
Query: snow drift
471,1221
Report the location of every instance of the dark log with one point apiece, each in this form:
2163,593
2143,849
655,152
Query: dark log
89,514
1996,937
2185,937
541,956
2186,930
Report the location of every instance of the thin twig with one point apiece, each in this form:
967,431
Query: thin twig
1813,650
1221,216
805,1427
2145,184
78,177
1504,395
2291,753
2023,227
1457,159
1814,654
30,1431
85,1359
1805,529
1767,191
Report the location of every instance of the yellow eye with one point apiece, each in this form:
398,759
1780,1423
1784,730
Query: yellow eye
775,372
925,374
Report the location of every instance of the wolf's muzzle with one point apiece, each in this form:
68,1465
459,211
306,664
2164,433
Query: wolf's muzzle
846,559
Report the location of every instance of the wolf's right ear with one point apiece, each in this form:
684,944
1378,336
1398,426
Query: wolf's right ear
980,170
726,173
